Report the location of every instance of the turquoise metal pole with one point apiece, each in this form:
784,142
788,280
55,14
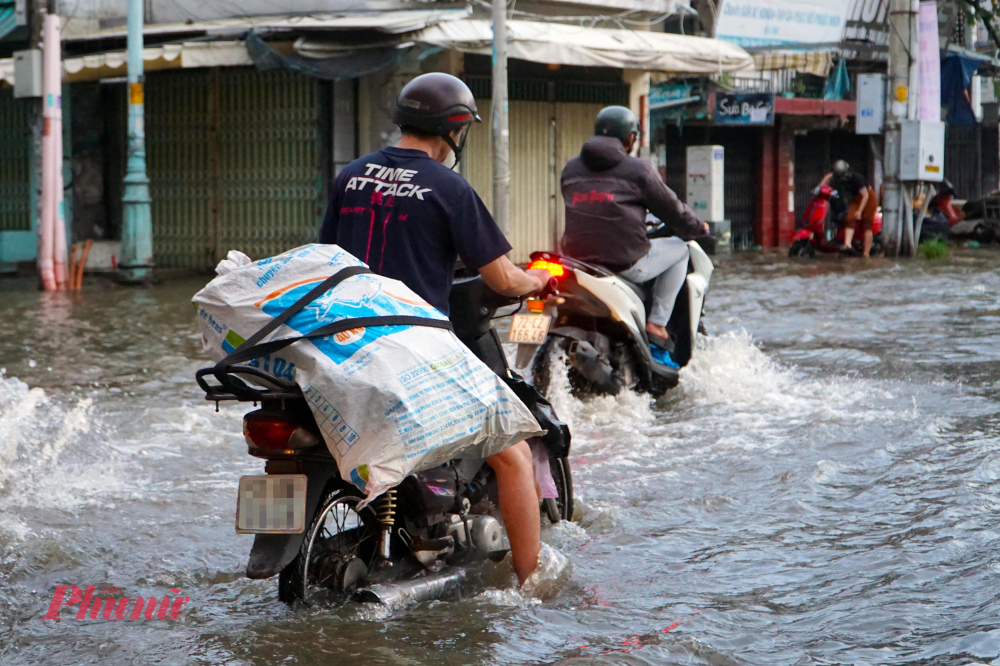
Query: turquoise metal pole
137,233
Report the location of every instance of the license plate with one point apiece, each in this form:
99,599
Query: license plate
272,504
529,329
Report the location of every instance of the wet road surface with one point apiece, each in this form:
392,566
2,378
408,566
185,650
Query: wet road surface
822,489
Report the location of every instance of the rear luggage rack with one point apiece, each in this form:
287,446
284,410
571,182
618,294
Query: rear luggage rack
232,387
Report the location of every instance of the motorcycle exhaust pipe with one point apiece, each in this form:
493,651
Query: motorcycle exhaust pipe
432,586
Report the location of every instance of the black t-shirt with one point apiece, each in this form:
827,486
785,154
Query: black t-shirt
850,185
409,218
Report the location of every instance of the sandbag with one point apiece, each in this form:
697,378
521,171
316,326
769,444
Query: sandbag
389,399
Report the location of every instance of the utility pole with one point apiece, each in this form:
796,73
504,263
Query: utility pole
137,231
52,224
501,131
897,93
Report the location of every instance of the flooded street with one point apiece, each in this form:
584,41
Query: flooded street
823,488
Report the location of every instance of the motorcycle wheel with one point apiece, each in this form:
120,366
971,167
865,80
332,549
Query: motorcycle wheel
983,234
560,508
335,552
802,249
878,247
564,484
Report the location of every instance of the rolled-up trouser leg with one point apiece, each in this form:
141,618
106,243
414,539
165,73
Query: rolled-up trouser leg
667,261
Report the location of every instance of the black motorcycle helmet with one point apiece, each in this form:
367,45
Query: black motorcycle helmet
437,104
617,121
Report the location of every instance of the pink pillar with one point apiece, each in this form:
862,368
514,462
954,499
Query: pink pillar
52,224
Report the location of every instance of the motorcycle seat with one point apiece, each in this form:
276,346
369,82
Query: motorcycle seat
637,288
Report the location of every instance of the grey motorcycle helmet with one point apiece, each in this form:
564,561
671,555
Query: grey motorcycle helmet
616,121
841,169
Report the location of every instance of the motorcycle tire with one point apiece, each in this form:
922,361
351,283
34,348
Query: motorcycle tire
560,508
878,247
802,249
294,581
983,234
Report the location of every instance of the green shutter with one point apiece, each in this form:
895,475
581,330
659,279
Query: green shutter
233,163
14,171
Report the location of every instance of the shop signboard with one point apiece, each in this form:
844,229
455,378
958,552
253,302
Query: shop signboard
744,109
775,22
866,36
662,94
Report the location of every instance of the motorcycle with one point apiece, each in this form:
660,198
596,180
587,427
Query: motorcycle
412,543
823,227
600,327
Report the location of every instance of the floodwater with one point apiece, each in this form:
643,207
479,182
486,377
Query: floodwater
823,489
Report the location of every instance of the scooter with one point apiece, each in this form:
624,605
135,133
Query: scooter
600,327
414,542
823,227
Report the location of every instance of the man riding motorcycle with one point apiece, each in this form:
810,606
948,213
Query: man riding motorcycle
607,193
410,218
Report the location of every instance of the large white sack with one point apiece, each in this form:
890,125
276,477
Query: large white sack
389,400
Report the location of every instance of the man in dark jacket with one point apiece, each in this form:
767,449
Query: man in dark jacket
607,193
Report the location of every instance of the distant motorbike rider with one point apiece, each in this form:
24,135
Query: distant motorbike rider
607,193
409,217
862,204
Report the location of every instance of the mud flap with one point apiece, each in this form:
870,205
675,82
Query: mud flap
273,552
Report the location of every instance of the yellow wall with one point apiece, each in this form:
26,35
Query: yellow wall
543,137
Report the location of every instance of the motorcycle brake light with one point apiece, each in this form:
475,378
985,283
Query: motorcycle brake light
535,305
268,432
554,269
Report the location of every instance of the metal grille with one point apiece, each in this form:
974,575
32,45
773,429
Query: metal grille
177,159
963,160
543,137
233,164
567,92
588,92
477,158
15,200
742,159
991,159
531,150
270,170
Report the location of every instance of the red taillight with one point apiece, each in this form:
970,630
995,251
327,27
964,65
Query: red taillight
268,432
554,269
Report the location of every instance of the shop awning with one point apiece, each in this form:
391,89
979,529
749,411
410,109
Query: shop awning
389,22
561,44
170,56
807,62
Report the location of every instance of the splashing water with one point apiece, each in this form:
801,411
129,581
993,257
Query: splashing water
34,431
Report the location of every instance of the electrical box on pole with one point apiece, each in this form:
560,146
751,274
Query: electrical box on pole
922,150
28,73
871,104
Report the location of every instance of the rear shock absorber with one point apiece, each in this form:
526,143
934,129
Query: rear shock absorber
385,509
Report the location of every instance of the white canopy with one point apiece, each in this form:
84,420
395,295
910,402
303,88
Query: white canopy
169,56
561,44
389,22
